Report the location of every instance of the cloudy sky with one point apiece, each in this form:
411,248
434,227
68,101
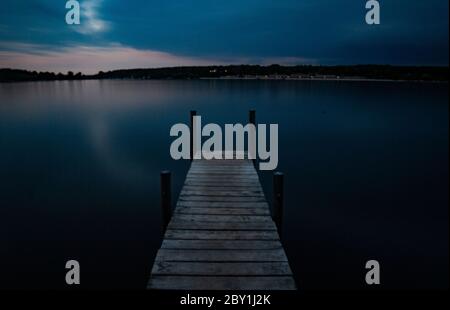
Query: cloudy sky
145,33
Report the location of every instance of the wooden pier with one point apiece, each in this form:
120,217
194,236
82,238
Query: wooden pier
221,235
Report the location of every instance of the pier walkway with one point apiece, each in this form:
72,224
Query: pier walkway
221,235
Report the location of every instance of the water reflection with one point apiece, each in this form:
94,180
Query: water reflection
366,168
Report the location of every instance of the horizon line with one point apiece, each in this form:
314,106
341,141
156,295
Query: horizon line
230,65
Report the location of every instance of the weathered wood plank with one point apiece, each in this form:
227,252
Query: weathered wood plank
220,244
228,193
180,224
225,218
230,170
221,198
222,283
235,183
218,162
211,188
226,171
220,235
222,269
222,180
212,168
239,177
219,176
222,187
173,255
223,204
226,168
222,174
221,211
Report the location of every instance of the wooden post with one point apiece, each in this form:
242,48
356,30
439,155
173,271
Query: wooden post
278,200
252,117
166,203
193,113
252,120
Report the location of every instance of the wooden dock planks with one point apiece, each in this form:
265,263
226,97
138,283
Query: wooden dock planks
221,235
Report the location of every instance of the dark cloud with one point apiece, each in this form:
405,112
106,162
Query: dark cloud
325,31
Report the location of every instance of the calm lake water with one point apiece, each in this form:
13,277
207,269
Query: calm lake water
365,163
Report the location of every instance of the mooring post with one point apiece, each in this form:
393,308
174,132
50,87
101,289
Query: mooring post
278,200
193,113
252,117
166,203
252,120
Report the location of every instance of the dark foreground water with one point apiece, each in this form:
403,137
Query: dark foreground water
365,163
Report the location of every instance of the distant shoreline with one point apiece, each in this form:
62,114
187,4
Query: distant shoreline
343,80
324,80
371,73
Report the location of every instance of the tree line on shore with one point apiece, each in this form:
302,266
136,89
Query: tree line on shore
243,71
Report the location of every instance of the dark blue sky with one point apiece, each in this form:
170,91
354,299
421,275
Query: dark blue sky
146,33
